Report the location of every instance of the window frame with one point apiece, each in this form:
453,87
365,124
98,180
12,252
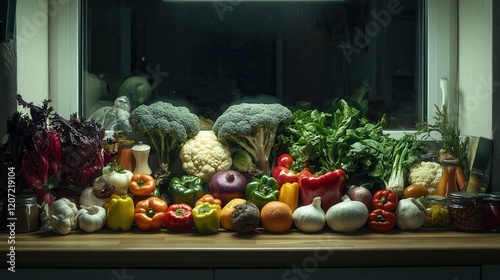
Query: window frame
440,57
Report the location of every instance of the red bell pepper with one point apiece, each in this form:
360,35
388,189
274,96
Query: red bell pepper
179,217
282,173
329,186
381,220
385,199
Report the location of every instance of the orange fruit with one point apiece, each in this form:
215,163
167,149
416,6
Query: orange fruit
415,191
227,212
276,216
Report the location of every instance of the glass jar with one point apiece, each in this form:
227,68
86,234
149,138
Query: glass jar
466,211
492,212
27,213
125,155
437,214
448,182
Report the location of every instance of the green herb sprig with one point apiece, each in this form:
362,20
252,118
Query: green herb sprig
451,138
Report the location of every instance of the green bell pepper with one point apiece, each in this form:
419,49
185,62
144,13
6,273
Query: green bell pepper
186,189
262,190
206,217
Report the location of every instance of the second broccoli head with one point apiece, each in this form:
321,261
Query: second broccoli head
167,127
253,127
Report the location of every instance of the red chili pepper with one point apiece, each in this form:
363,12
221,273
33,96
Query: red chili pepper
329,186
282,173
385,199
179,217
381,220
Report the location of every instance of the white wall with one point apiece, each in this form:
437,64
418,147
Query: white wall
32,50
475,67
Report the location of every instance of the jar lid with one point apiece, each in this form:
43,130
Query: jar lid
495,196
453,161
429,157
126,142
26,199
467,195
436,198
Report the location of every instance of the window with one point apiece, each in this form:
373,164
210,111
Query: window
209,54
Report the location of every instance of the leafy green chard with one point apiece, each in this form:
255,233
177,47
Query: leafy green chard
405,153
343,140
306,137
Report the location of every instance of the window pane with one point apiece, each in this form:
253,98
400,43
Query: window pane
208,55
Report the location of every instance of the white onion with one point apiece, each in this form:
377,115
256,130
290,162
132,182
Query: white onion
410,214
347,216
310,218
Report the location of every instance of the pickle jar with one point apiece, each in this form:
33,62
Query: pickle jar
492,212
27,213
466,211
437,214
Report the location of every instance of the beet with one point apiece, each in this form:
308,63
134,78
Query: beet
246,217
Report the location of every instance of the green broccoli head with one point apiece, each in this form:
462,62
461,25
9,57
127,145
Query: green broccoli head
167,127
253,126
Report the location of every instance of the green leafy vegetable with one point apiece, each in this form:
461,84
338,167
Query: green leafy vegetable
405,153
343,140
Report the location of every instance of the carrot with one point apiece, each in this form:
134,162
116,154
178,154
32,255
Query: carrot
460,177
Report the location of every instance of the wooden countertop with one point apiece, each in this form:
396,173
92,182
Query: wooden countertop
165,249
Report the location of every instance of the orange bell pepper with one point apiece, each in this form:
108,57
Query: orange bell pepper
142,184
210,199
150,213
289,194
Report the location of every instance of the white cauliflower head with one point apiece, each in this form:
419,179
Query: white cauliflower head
426,173
204,155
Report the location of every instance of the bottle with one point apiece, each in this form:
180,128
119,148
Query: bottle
125,155
141,154
448,182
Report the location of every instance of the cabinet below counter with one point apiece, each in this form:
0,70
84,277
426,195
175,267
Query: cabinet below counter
327,249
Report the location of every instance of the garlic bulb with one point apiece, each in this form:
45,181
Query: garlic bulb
410,214
310,218
88,198
60,216
91,218
347,216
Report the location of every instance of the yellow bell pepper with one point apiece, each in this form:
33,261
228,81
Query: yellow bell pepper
120,212
289,194
206,217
